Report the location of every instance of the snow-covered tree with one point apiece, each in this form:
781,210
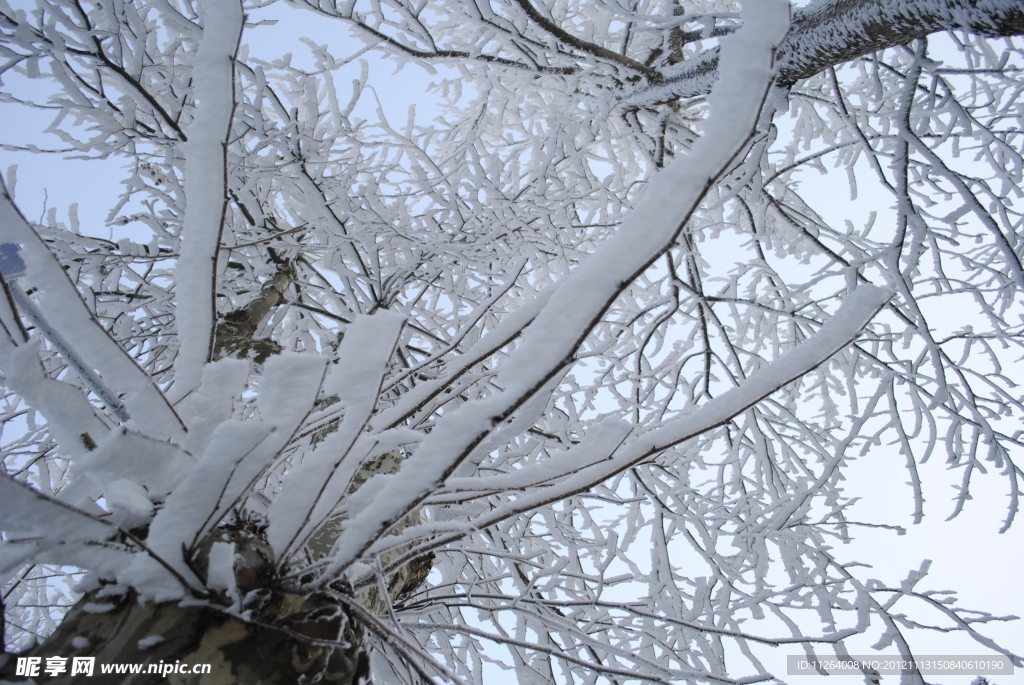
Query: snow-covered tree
565,382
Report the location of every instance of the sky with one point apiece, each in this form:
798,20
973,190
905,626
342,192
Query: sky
968,554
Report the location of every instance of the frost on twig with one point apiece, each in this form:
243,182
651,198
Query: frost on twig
576,377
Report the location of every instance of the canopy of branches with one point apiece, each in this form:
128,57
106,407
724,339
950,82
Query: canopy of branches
584,337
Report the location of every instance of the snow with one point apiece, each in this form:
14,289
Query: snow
581,297
129,503
68,411
507,330
838,331
151,641
34,318
205,188
841,329
82,493
314,487
154,581
213,402
289,386
364,352
221,575
109,590
98,608
599,444
528,415
41,530
42,523
191,510
64,310
155,465
238,452
608,451
687,79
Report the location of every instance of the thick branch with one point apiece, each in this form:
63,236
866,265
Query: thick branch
830,32
236,332
68,316
205,190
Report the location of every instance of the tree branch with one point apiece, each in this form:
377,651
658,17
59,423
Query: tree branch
831,32
580,44
205,190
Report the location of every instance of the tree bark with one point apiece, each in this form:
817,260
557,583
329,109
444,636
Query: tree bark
830,32
234,335
265,634
283,639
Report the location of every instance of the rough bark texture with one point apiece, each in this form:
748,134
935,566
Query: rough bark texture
239,652
830,32
287,638
234,335
826,34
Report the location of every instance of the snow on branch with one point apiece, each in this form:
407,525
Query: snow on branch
579,299
65,311
38,529
238,453
606,453
205,189
827,33
315,487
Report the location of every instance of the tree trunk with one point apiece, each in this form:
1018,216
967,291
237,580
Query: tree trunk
264,634
284,639
234,335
